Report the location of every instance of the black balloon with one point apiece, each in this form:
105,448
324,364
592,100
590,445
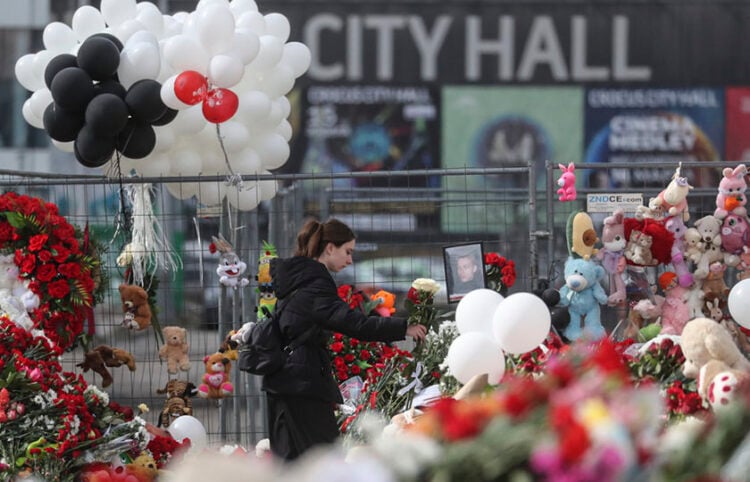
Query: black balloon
109,37
110,86
72,89
106,115
165,119
55,65
551,297
144,101
137,140
60,124
99,56
92,150
560,318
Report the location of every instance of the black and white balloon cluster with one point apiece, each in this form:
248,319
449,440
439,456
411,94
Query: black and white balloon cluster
94,111
242,59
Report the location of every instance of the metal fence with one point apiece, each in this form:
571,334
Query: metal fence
403,220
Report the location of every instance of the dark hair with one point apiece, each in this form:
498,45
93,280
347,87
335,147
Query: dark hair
314,236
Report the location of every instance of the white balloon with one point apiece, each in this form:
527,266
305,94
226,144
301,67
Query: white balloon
269,54
153,166
286,106
215,28
225,71
277,81
521,322
284,129
142,36
211,193
186,162
39,64
63,146
151,17
24,70
474,353
474,311
296,56
275,115
190,120
245,45
165,138
128,28
239,7
58,37
267,187
235,136
137,62
169,97
182,190
116,12
187,426
246,162
205,3
245,199
28,115
87,21
738,303
273,151
254,105
172,26
39,102
278,26
254,21
185,53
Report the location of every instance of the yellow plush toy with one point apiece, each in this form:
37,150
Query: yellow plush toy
266,294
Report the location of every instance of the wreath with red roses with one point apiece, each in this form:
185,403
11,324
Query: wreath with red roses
58,261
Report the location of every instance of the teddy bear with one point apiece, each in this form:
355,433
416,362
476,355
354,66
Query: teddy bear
135,306
175,349
611,255
216,382
676,311
103,356
731,196
704,340
714,282
693,245
582,293
718,383
16,300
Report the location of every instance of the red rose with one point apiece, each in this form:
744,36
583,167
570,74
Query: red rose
44,256
353,342
339,362
46,272
58,289
70,270
337,346
355,370
348,358
491,258
413,295
28,264
37,242
60,253
364,355
6,231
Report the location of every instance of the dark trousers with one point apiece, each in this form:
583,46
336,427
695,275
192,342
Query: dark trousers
295,424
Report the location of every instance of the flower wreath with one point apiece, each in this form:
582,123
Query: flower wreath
56,259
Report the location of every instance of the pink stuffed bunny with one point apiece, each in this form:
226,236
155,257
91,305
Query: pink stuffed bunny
567,183
611,255
731,197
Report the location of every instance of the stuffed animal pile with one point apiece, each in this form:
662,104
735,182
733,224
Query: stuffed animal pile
661,266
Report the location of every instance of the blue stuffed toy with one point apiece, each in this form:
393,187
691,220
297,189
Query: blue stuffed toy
582,294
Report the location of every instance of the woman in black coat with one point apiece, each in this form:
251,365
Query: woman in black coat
302,396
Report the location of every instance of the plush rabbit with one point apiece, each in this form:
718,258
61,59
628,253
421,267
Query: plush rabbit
567,183
731,197
611,255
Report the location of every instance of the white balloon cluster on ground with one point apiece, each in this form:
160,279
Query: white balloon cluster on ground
490,326
244,56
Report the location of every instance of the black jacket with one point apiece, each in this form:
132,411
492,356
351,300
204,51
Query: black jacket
312,297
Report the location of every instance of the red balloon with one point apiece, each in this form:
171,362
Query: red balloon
220,105
190,87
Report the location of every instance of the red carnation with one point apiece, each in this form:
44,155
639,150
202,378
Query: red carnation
58,289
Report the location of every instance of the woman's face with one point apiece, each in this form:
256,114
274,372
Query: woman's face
337,258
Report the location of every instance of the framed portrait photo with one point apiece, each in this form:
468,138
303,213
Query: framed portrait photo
464,269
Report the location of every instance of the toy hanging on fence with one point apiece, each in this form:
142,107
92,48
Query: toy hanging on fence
567,183
231,268
266,294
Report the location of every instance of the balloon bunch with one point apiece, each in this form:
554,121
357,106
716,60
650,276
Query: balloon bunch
219,46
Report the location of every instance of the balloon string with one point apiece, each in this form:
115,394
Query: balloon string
122,220
233,179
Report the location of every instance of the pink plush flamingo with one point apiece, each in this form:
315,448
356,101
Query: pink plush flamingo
567,183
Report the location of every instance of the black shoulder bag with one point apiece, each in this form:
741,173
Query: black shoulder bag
265,352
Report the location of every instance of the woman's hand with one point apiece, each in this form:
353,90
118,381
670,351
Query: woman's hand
418,332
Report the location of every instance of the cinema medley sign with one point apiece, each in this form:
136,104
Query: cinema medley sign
514,42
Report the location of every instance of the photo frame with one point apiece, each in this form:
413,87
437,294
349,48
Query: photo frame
464,269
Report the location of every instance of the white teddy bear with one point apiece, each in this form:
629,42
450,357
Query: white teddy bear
16,300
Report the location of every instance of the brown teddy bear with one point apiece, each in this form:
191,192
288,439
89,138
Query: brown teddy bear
216,382
135,306
704,340
103,356
175,349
